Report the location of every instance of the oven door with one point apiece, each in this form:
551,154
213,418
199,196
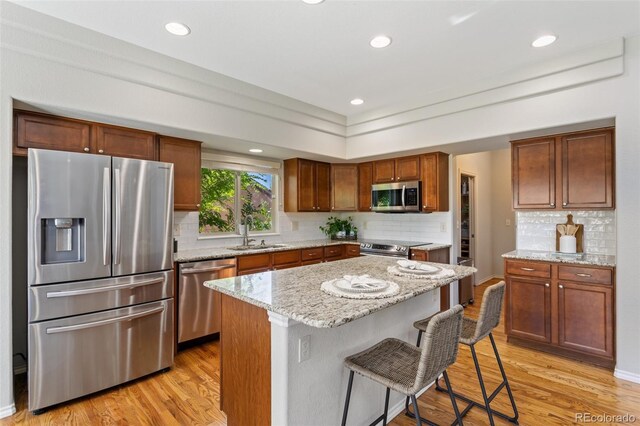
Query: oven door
396,197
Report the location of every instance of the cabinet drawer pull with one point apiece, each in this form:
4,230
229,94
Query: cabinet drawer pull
560,286
527,269
86,149
583,275
546,284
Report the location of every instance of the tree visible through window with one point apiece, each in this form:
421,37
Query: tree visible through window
228,195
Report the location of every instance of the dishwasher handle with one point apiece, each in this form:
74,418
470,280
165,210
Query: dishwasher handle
210,269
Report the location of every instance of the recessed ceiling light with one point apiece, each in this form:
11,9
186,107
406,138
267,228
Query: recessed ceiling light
357,101
176,28
256,150
313,1
543,41
380,41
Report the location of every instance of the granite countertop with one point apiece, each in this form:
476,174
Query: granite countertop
551,256
223,252
433,246
295,293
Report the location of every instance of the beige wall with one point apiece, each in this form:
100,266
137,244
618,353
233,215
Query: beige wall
504,236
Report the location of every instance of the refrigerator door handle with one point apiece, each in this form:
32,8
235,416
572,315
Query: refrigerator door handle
117,218
82,292
64,329
106,194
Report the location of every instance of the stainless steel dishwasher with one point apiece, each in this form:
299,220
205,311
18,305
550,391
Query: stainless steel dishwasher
199,309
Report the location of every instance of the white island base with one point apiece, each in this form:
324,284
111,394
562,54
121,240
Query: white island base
312,392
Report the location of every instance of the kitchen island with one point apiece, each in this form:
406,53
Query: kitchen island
283,340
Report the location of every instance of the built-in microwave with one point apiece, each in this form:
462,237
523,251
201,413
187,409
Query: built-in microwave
396,197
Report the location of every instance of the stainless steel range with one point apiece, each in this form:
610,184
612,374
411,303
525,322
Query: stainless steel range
388,248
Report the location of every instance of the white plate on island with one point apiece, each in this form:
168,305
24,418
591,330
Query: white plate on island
413,267
360,285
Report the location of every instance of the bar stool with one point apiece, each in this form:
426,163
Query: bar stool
472,332
405,368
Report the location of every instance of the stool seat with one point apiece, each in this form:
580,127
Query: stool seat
391,362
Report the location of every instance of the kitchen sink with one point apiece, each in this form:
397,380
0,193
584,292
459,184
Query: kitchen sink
256,247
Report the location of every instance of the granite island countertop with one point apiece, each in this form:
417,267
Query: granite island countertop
295,293
223,252
550,256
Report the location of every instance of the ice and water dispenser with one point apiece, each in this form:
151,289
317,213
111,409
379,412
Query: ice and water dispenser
63,240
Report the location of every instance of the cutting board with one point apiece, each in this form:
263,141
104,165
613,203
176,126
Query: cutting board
579,235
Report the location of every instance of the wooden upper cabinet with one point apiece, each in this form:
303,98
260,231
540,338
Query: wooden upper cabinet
587,170
435,182
122,142
533,171
307,186
185,156
344,187
323,187
33,130
396,169
568,171
384,171
408,168
365,180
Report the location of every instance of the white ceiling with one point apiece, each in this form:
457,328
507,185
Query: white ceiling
320,54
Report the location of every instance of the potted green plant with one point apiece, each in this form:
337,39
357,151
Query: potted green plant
340,229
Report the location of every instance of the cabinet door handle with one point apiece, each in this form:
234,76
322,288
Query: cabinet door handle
527,269
101,151
583,275
564,204
86,149
546,284
560,286
552,204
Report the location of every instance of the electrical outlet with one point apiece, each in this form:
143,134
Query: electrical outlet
443,227
304,348
176,230
364,225
507,222
294,225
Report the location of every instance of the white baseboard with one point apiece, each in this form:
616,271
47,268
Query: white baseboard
626,375
484,280
7,411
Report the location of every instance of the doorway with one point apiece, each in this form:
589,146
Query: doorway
467,215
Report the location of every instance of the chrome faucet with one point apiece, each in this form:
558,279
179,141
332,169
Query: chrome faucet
245,236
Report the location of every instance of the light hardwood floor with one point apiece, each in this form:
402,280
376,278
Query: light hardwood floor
549,390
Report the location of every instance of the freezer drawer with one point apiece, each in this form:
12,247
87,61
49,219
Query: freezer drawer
64,300
199,309
77,356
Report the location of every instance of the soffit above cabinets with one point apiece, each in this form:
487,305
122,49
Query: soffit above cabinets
320,54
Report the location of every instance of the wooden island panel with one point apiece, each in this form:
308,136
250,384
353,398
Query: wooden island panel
245,363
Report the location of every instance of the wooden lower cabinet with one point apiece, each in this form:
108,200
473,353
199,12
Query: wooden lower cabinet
245,363
569,312
529,316
262,262
585,318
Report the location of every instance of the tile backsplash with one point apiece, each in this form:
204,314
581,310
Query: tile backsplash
537,230
434,227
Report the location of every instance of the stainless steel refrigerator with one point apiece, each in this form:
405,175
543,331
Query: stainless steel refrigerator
100,296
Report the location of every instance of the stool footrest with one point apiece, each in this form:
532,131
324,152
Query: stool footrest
472,403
